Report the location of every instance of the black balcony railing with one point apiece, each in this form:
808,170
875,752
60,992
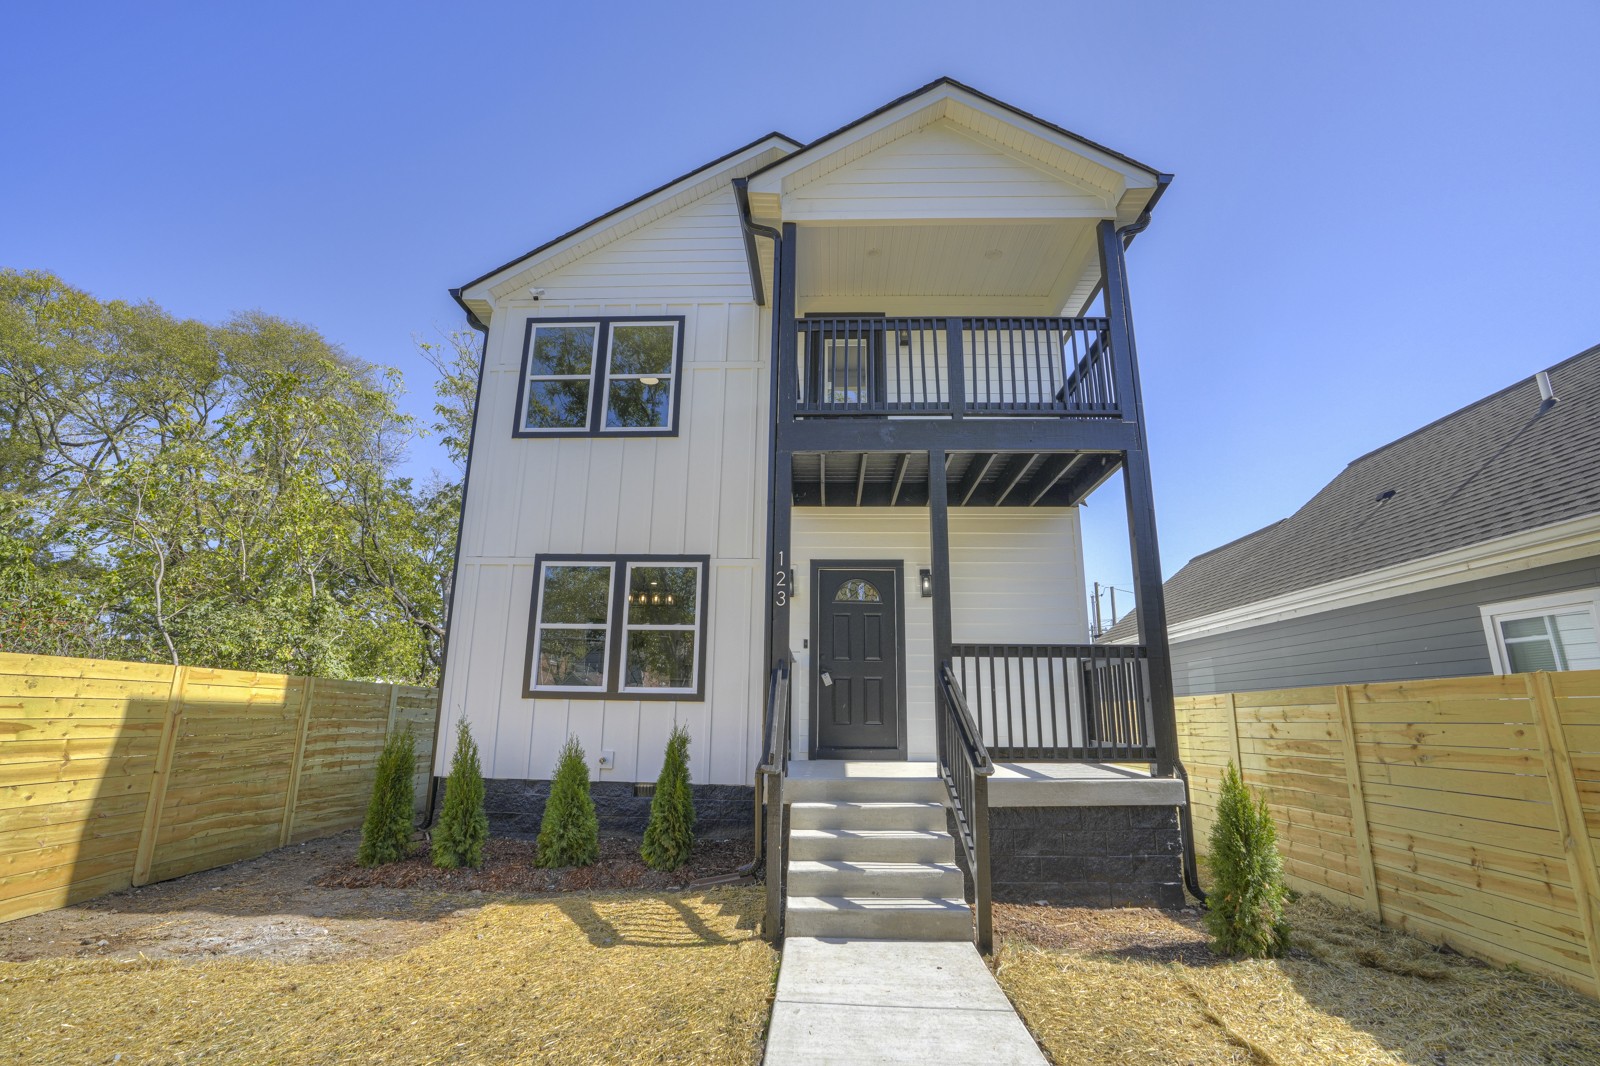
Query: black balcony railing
1058,702
950,367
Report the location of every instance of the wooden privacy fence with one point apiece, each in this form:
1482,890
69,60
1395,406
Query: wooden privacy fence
1465,811
115,774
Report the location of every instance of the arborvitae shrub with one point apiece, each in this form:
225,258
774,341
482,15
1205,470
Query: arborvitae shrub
386,834
569,834
463,826
1245,915
669,836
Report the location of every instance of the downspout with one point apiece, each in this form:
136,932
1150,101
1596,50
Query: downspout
741,193
455,567
1191,864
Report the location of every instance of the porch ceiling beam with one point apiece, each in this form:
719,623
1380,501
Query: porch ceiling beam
1011,475
974,477
1053,470
965,435
1091,477
899,477
861,478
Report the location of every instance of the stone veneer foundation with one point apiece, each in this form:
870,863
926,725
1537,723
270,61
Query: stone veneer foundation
515,808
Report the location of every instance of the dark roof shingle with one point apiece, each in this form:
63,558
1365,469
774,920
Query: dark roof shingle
1496,467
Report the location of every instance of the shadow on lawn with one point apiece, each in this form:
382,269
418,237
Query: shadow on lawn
654,920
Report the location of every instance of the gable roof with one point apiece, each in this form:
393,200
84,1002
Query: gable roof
1500,466
620,215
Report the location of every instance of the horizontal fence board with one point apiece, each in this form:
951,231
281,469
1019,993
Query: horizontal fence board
1456,783
82,747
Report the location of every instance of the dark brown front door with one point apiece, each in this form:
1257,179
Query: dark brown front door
856,680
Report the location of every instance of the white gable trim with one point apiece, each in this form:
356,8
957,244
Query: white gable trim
616,224
1575,538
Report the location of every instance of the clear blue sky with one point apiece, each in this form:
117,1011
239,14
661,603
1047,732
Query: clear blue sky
1382,211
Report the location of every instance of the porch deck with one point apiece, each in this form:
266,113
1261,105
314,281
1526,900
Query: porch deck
1013,784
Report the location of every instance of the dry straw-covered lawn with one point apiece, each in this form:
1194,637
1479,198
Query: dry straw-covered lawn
581,978
1140,986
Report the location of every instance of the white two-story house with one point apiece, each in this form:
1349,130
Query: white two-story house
790,451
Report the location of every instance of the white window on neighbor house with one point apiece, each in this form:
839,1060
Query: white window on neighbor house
1560,631
611,626
600,376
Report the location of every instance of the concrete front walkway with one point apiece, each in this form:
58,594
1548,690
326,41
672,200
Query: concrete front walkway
848,1002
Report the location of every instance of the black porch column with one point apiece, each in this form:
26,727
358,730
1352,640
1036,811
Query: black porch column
780,561
1148,595
939,561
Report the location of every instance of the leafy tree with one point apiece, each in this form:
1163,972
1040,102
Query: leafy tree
669,835
569,833
1245,904
463,825
223,494
386,833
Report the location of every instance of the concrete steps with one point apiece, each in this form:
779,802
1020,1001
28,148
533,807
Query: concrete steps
870,857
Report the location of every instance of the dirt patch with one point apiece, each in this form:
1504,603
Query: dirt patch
1143,986
508,866
312,903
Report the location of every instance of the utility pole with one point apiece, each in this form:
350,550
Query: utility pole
1097,627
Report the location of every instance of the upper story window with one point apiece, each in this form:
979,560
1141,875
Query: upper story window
1556,632
583,377
610,626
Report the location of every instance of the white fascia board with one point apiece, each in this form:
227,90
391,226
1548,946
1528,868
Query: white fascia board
1574,538
622,220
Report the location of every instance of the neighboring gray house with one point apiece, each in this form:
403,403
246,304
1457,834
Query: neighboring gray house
1471,546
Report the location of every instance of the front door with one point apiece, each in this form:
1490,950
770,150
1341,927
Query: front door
857,684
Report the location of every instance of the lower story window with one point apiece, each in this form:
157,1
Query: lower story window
1556,632
618,627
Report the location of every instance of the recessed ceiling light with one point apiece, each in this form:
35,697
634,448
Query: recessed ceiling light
872,252
649,381
993,253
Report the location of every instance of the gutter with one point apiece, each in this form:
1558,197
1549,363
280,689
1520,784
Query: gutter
751,232
455,567
1130,231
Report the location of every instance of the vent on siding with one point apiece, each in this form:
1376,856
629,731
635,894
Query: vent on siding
644,788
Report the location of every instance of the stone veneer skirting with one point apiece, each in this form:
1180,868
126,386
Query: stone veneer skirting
1086,856
515,808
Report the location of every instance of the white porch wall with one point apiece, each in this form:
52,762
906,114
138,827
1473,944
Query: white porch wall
1015,575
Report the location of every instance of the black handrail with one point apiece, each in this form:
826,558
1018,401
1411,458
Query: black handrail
769,792
1059,702
965,766
1019,366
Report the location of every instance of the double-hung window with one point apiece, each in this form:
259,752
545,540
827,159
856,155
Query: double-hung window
600,376
618,627
1556,632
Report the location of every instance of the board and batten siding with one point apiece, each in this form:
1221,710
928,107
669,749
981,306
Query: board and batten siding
942,172
1015,576
1435,633
702,492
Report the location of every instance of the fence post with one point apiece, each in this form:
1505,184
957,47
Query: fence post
292,791
144,858
1568,806
1358,799
1233,735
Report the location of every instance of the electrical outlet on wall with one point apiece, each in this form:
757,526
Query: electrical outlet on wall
608,760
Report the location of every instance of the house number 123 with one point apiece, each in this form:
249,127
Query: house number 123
780,584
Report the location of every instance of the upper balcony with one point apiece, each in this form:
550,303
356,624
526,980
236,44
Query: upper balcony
874,366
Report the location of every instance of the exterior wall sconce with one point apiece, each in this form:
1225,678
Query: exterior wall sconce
925,580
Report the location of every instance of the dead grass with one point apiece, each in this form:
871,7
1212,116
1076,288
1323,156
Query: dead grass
1141,986
583,978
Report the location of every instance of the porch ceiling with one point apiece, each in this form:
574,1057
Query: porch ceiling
1021,267
973,479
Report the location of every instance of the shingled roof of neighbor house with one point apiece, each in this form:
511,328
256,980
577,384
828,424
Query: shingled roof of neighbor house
1505,464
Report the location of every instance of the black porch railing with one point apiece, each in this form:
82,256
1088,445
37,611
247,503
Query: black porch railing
1058,702
965,766
769,793
995,367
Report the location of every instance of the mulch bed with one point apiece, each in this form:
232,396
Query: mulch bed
1134,933
509,867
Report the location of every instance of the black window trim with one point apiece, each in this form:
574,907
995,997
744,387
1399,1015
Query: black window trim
617,624
600,377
